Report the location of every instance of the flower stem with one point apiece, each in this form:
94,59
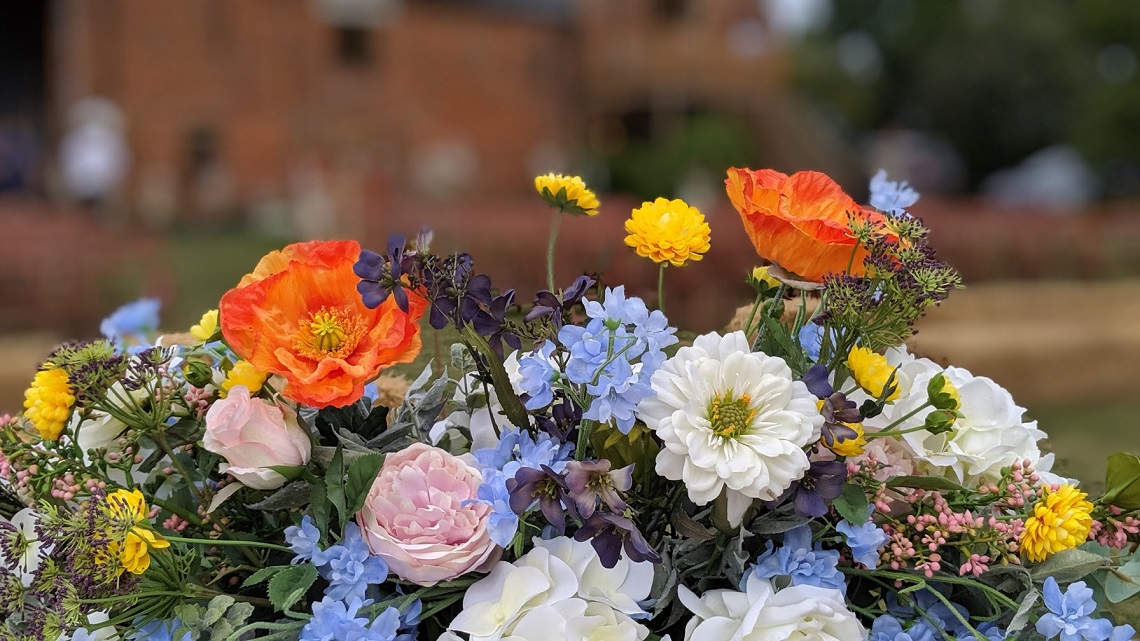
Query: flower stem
554,225
223,542
661,288
887,430
752,314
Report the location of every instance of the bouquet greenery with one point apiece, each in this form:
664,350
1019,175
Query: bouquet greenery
576,469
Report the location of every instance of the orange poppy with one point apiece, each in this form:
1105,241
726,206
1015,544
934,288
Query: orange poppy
298,314
798,222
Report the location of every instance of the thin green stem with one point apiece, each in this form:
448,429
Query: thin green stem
224,542
752,314
887,430
554,225
661,288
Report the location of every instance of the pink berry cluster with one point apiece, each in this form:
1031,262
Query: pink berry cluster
1114,531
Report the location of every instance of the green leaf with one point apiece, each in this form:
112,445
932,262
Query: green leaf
334,479
852,504
772,523
264,574
1124,582
289,585
293,495
777,341
319,507
361,474
217,607
1123,481
1069,565
940,421
925,483
1021,617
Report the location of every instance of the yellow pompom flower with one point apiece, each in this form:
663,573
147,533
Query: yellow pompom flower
243,373
1060,520
668,231
567,193
47,403
134,551
871,371
206,327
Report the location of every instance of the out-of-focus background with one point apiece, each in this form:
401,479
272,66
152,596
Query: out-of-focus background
160,147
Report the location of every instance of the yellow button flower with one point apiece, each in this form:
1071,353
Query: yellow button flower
134,551
668,231
1060,520
243,373
871,371
47,403
762,275
568,193
205,327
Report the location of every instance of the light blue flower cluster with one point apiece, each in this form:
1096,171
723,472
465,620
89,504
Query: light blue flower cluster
538,376
616,354
800,562
1070,615
865,540
335,620
153,631
131,323
924,607
891,197
516,449
888,628
349,567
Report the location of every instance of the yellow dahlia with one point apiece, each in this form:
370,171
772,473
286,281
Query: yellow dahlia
47,403
668,231
206,327
244,373
567,193
1060,520
134,550
871,371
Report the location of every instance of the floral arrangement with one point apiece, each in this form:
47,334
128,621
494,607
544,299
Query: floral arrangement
576,469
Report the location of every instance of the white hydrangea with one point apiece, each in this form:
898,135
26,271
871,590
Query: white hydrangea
731,420
991,433
760,613
557,591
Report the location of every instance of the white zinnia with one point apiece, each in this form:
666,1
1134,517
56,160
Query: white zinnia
990,434
731,419
799,612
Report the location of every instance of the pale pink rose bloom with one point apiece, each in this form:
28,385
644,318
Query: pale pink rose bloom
416,516
253,435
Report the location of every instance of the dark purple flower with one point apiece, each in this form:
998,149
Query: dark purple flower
563,420
837,412
816,380
492,323
543,485
547,303
383,276
610,534
457,295
822,483
591,481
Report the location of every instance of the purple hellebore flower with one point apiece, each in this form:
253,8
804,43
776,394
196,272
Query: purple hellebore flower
610,534
382,276
547,303
822,483
837,411
589,481
543,485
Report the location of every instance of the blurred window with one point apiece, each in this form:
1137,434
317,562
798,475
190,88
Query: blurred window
354,46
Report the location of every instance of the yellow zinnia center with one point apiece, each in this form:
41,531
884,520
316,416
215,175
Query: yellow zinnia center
329,333
731,416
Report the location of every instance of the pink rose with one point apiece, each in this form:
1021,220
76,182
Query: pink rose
416,519
254,435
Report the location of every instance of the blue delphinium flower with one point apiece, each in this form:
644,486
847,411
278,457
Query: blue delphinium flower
888,628
993,632
503,522
336,621
799,562
929,608
304,539
159,631
131,322
1123,633
538,374
891,197
350,567
811,340
1069,615
865,540
615,355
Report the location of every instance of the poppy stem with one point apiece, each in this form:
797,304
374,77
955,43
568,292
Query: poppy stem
554,225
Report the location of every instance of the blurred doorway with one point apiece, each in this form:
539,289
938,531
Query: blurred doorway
23,92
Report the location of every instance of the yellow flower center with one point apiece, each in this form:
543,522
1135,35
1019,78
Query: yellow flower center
329,333
731,415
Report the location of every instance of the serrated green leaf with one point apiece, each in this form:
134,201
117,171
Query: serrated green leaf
289,585
925,483
263,574
1069,565
361,474
1122,481
852,504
